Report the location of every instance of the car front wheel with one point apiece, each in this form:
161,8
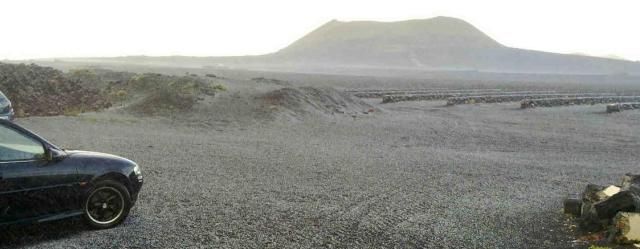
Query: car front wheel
107,204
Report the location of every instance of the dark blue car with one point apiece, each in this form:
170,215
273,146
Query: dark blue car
40,182
6,110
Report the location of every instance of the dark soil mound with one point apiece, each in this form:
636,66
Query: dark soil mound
271,81
44,91
311,100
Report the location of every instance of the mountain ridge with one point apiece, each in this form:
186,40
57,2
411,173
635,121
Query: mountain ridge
398,31
434,44
439,43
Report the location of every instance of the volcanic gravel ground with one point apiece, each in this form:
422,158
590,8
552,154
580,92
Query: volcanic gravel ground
414,175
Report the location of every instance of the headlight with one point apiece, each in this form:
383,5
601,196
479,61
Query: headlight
137,170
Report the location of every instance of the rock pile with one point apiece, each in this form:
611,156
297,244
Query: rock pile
44,91
614,210
618,107
517,96
551,102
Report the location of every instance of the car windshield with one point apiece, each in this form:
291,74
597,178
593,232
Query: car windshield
4,101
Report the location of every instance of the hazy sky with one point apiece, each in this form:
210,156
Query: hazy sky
73,28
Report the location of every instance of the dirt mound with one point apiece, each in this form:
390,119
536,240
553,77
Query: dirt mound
271,81
303,101
98,78
44,91
157,93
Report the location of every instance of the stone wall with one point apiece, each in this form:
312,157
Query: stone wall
382,93
618,107
551,102
507,97
448,95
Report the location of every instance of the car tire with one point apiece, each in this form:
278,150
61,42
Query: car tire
106,205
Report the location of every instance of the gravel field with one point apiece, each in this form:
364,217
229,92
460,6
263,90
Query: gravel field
412,175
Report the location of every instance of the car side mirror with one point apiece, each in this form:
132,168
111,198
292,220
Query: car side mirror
48,156
52,154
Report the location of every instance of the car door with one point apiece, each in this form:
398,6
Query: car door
32,186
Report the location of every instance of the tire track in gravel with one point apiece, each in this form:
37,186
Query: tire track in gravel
372,221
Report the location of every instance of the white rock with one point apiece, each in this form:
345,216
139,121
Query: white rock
627,226
608,192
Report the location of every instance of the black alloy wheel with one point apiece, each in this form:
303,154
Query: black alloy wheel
107,205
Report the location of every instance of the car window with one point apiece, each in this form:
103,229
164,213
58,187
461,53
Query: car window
3,100
15,146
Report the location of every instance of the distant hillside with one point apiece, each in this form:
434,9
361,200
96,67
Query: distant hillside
437,43
440,43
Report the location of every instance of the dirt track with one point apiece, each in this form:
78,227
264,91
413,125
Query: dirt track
417,174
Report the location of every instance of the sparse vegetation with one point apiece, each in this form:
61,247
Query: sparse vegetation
98,78
599,247
120,95
160,93
220,87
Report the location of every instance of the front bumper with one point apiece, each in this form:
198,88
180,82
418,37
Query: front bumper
135,186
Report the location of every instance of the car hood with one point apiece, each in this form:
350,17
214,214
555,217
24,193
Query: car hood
90,155
90,165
